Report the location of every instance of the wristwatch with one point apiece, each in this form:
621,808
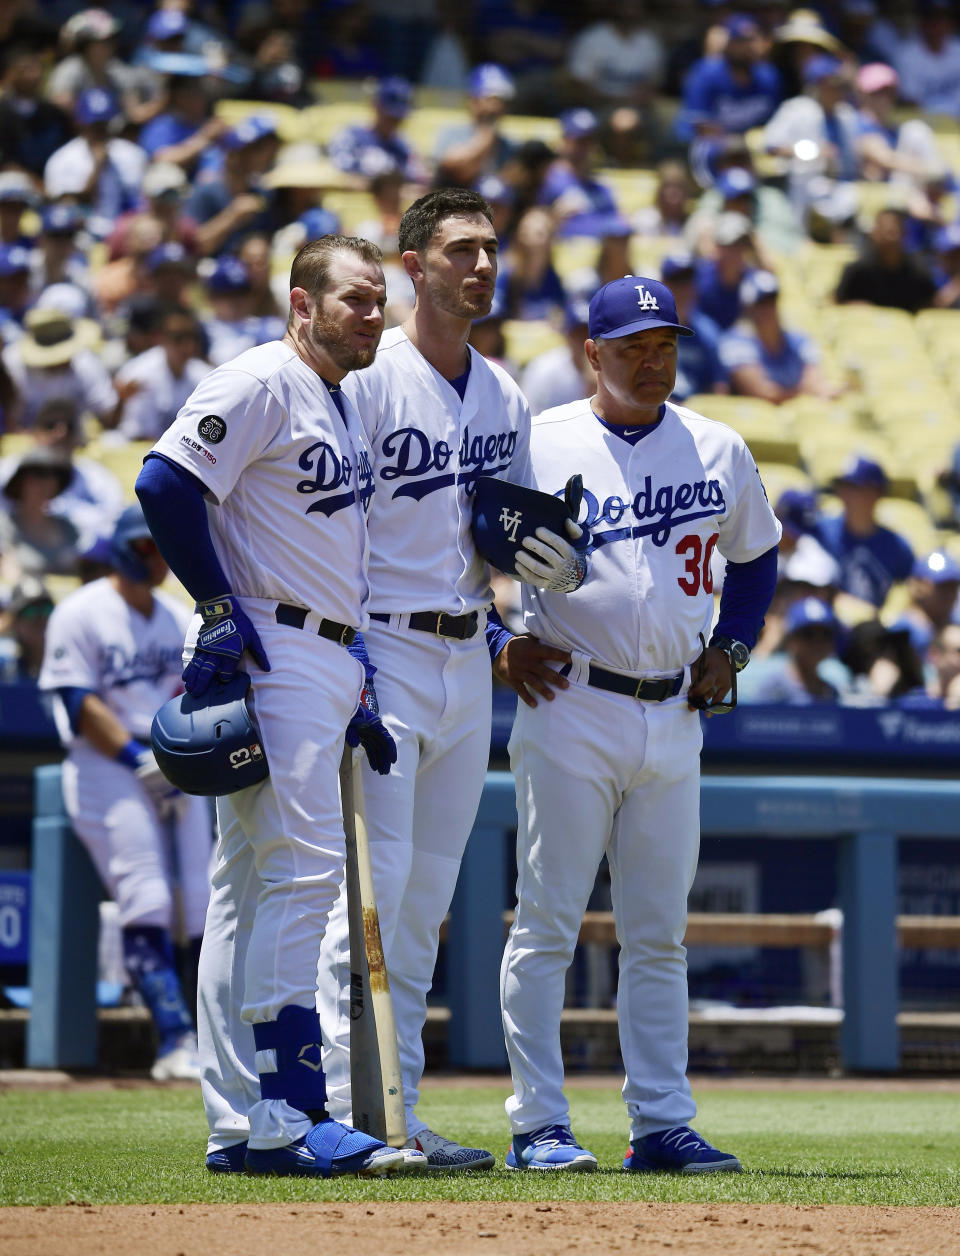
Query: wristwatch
736,651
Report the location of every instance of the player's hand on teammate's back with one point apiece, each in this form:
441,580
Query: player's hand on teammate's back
367,729
226,634
523,665
550,562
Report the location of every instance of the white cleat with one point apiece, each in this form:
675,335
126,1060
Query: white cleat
180,1064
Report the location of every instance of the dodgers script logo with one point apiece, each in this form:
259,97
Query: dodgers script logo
413,455
331,471
119,668
658,511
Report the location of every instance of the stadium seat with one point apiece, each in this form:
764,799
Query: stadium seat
528,338
352,207
825,456
767,432
911,519
632,189
519,127
288,121
123,459
575,256
777,477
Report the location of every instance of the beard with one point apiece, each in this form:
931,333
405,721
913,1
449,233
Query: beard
459,304
327,334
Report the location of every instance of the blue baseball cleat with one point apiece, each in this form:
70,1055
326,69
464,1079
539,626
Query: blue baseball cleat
552,1148
227,1159
678,1150
329,1150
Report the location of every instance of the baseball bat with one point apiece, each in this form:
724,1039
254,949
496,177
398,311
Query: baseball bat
375,1084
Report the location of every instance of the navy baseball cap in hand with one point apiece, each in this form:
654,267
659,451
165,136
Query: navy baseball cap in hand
633,303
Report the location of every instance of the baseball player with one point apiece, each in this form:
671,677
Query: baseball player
437,415
258,495
112,656
612,766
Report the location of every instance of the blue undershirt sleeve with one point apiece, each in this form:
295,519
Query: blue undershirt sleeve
72,697
172,501
748,589
496,633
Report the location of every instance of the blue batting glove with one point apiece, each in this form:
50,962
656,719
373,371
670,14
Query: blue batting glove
226,634
367,729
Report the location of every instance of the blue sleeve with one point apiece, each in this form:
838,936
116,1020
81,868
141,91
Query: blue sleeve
747,592
72,697
172,501
496,633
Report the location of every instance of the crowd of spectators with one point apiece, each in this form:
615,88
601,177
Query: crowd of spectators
145,233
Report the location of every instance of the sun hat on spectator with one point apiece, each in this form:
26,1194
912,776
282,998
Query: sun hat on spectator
804,26
95,105
491,79
50,338
163,178
877,77
42,460
89,26
16,187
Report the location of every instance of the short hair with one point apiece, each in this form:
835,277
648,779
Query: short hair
422,220
311,266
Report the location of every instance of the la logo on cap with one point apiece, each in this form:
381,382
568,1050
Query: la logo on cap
646,300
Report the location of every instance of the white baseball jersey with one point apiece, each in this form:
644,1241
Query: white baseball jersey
428,450
655,510
97,641
289,479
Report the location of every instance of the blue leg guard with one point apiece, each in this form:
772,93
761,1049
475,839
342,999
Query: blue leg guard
148,954
293,1041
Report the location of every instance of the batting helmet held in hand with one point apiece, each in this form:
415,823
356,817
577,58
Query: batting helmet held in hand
504,514
211,744
131,526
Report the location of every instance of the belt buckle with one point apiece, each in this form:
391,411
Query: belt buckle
442,617
347,635
636,692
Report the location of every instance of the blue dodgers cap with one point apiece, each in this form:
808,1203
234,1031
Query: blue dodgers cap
822,67
757,286
947,238
491,79
14,260
229,275
938,567
810,612
576,313
864,473
167,24
319,222
249,131
96,105
796,509
394,96
494,191
736,182
741,26
576,123
61,220
633,303
682,262
170,254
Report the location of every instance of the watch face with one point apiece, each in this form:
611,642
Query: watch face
740,655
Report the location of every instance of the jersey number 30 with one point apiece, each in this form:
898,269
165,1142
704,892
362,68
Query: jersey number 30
696,564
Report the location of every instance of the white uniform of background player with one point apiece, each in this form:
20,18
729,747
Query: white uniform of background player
289,484
428,447
603,772
119,641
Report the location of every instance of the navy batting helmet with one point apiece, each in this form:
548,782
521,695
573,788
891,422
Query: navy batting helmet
504,514
131,526
211,744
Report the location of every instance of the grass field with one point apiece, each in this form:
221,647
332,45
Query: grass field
145,1145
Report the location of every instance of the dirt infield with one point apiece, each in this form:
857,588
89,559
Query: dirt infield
468,1229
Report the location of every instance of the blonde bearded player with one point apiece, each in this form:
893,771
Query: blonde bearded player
613,765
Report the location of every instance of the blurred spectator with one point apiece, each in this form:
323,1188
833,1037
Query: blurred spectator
865,33
807,669
34,542
798,41
376,147
100,171
698,365
17,195
736,190
14,289
885,274
51,361
943,658
31,128
817,134
467,151
524,173
670,210
528,285
89,38
947,268
232,326
164,376
733,92
562,374
529,39
135,328
351,48
227,206
255,255
172,271
929,60
719,277
883,662
934,590
949,479
871,557
58,259
117,281
277,74
164,188
761,357
93,497
486,336
187,127
890,147
581,204
447,60
24,627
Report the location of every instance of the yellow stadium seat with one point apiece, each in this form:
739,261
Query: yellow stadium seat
519,127
573,256
351,206
632,189
288,121
59,586
825,456
123,459
526,339
911,520
13,444
777,477
767,432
